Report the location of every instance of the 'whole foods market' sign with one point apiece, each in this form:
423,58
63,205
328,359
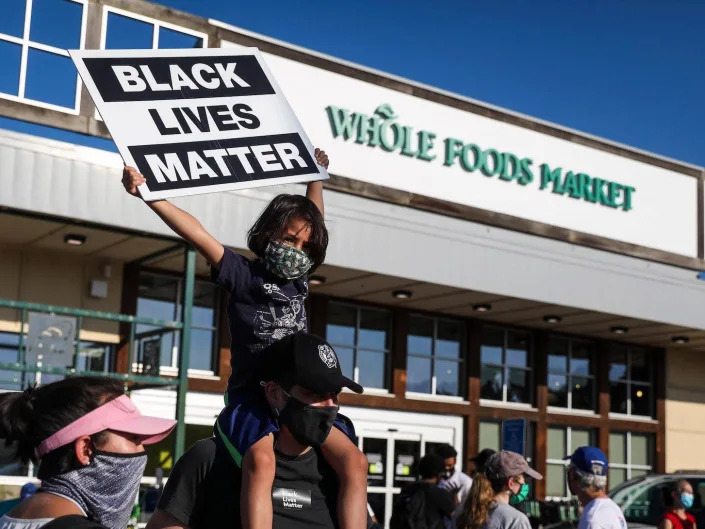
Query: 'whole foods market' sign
383,130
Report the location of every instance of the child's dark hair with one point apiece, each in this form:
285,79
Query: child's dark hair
30,416
271,223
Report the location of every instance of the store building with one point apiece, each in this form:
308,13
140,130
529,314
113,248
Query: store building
483,265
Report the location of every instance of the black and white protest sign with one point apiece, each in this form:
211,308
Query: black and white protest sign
198,121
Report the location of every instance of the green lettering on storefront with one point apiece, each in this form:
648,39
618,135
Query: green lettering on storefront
382,129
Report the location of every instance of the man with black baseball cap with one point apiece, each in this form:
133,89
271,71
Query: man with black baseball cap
587,479
301,378
480,459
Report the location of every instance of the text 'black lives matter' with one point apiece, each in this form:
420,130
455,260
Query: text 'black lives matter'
163,78
227,161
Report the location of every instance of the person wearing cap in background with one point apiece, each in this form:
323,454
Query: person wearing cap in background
423,504
452,480
89,440
478,462
300,379
587,479
488,505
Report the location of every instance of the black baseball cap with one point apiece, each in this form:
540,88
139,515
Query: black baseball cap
306,360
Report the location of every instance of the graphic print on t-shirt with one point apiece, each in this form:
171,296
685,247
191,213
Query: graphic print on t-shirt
291,498
282,316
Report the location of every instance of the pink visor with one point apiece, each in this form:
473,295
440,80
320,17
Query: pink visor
119,415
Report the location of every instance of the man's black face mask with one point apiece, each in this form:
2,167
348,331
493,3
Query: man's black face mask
310,425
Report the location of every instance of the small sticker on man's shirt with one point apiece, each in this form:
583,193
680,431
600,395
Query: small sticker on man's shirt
291,498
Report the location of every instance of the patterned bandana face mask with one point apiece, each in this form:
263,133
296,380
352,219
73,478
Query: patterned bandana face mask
286,261
106,489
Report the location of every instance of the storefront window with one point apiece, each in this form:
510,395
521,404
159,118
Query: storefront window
361,338
435,349
160,297
631,381
490,436
560,443
506,365
571,380
9,342
631,456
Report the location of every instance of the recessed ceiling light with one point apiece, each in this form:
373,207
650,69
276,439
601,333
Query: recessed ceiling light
619,330
552,318
316,280
402,294
680,339
482,307
75,239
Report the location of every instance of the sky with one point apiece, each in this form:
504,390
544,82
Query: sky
632,71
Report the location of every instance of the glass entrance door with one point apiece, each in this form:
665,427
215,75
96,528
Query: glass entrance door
392,462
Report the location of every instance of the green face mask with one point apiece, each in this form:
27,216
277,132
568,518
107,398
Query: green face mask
286,261
520,496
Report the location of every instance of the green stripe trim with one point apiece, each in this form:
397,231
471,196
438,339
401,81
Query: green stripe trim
233,451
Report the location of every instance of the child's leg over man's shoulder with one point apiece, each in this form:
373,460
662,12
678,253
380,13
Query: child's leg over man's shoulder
258,468
351,466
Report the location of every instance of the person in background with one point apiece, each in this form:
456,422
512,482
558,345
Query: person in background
587,479
478,462
487,506
678,497
89,438
423,504
452,480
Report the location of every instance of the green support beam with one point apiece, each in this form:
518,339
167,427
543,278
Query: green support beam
184,350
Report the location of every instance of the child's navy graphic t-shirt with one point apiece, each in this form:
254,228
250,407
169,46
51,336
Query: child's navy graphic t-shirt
262,308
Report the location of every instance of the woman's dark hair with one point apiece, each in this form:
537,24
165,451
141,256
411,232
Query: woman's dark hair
273,220
30,416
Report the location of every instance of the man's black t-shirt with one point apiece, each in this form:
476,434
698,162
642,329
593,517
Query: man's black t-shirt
203,490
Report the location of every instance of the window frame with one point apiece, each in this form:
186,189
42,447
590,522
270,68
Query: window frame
562,462
569,376
461,360
505,368
26,43
173,368
628,383
628,467
356,348
155,23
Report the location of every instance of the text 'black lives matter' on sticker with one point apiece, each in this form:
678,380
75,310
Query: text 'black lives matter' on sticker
201,164
291,498
162,78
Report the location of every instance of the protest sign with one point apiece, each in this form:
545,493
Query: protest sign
198,120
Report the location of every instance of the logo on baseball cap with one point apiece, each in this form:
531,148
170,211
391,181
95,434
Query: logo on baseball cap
589,459
306,360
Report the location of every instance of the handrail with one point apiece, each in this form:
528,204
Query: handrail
95,314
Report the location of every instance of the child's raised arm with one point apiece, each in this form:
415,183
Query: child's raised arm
186,226
314,190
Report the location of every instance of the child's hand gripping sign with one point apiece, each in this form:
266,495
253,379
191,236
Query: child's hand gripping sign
198,120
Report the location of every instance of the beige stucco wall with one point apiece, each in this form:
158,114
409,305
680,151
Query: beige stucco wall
58,278
685,410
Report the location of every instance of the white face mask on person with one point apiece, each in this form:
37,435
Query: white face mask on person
106,489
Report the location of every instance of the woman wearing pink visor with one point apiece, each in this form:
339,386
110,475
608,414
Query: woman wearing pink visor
88,438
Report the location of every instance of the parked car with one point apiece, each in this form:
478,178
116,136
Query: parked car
641,499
